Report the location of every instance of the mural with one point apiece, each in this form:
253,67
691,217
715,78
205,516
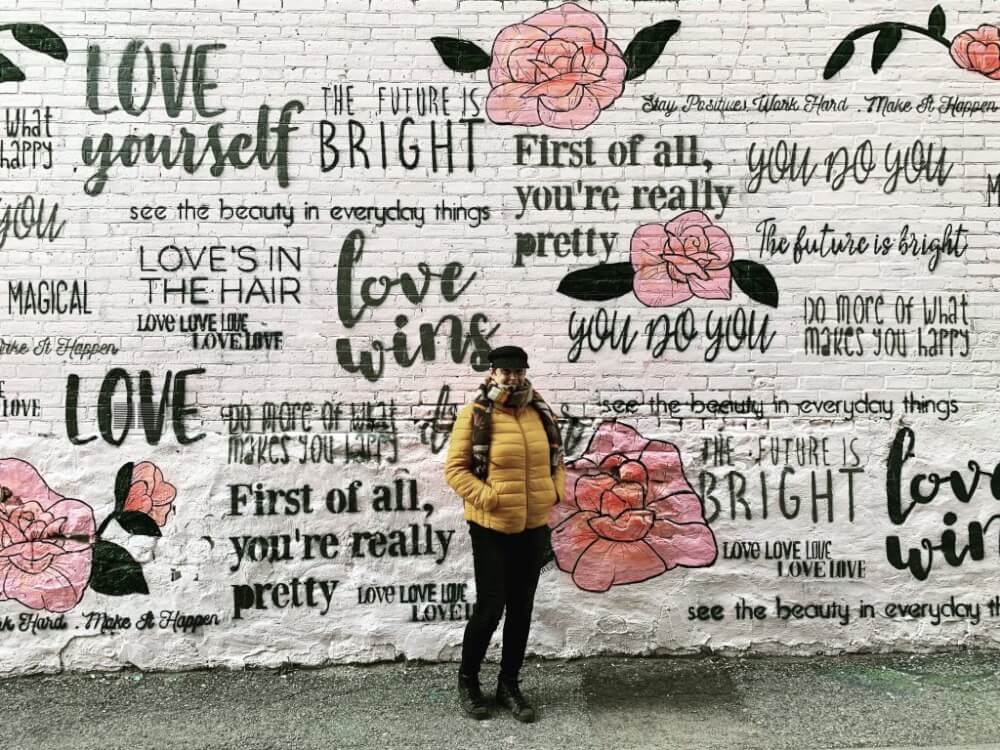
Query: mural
628,513
976,50
255,259
687,257
557,68
51,549
34,37
47,541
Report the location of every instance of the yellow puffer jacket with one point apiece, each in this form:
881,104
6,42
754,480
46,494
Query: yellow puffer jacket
519,489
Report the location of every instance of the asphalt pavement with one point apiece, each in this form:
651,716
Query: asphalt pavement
887,701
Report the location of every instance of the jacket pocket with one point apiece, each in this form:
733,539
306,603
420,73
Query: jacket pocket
489,498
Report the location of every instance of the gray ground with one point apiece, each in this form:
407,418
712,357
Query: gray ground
949,700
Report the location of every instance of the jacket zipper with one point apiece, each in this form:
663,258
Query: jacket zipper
524,439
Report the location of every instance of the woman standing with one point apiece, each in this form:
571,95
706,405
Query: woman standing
506,462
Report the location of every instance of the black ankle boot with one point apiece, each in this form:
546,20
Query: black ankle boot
471,697
509,696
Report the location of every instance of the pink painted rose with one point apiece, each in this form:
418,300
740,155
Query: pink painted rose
46,541
149,493
628,514
558,68
686,257
978,50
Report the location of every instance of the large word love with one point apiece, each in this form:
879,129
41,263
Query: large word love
153,412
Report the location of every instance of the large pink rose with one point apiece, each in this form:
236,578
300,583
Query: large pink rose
46,541
978,50
558,68
628,513
686,257
149,493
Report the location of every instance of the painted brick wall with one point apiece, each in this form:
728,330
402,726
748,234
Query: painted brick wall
255,252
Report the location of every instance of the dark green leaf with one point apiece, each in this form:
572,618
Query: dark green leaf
459,55
598,283
115,572
135,522
840,57
9,72
885,43
122,484
40,38
756,282
647,46
935,22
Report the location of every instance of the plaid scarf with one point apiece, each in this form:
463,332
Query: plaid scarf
491,395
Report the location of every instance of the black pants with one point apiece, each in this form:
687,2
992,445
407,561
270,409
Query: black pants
507,568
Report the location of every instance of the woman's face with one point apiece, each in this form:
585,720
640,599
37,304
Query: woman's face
507,376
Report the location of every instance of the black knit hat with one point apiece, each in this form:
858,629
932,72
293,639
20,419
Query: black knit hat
510,357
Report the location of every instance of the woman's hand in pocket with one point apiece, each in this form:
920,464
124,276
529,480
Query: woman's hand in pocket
489,498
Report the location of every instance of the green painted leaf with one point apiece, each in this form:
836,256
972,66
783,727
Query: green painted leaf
598,283
647,46
135,522
755,281
936,22
885,43
459,55
9,72
840,57
115,572
40,38
123,481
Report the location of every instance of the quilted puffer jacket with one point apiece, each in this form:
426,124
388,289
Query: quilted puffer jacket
519,489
